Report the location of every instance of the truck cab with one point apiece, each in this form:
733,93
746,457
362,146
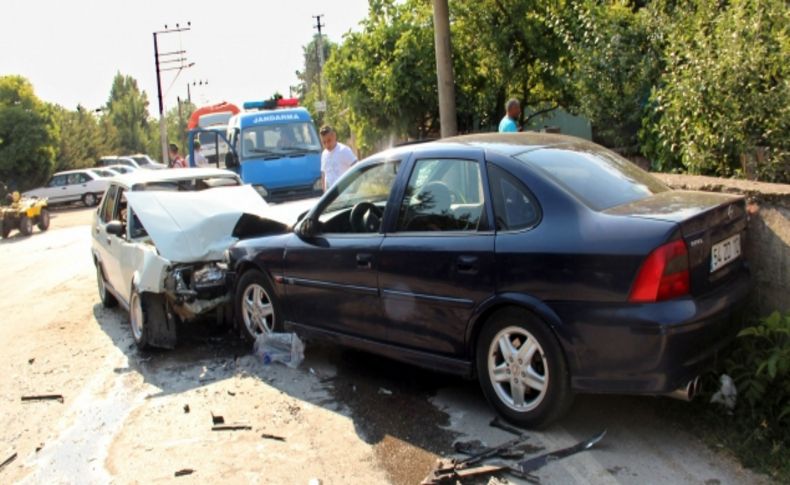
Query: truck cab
274,146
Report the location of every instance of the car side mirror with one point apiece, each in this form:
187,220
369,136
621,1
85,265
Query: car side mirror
301,216
231,160
307,229
116,228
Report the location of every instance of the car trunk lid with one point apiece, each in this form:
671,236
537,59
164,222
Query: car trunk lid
712,225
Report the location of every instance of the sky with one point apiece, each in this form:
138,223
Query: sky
245,49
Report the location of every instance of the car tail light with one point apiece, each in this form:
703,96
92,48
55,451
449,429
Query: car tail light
664,274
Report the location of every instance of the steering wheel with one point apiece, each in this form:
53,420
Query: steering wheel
365,217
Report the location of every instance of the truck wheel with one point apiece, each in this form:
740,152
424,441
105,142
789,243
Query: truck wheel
522,369
43,220
89,199
107,299
257,310
25,225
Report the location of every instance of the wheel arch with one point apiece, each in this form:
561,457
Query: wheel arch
510,300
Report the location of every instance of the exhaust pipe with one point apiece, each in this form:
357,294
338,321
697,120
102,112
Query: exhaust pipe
687,392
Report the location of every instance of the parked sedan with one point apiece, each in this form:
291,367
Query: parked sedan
74,185
543,264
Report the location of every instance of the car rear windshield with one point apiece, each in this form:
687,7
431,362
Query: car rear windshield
598,177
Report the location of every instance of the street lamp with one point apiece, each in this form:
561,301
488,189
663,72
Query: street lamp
181,60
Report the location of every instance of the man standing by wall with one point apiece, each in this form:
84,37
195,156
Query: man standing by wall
512,112
336,157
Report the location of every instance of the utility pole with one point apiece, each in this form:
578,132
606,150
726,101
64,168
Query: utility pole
181,61
444,68
200,82
320,47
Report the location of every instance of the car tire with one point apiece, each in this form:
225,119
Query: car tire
522,369
108,300
89,199
256,307
25,225
43,220
5,229
140,319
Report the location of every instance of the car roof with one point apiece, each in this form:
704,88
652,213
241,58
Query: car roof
78,170
508,144
166,175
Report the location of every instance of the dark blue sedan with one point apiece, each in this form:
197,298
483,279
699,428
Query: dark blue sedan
542,264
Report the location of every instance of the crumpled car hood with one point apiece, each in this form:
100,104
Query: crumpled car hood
188,227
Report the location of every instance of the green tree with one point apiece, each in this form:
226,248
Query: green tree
127,110
28,134
177,119
724,98
83,139
615,66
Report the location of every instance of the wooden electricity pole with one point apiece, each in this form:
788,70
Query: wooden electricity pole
444,68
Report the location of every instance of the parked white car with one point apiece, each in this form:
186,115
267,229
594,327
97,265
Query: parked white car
136,161
120,169
86,185
159,240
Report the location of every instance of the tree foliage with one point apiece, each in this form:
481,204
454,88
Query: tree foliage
127,111
84,138
724,96
615,66
29,134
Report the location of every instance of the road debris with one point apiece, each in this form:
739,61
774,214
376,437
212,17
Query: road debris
186,408
217,419
285,348
184,472
314,481
727,395
385,391
497,422
231,393
8,460
268,436
532,464
31,360
453,470
231,427
43,397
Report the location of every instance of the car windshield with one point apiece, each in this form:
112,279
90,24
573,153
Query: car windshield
598,177
277,140
141,160
189,185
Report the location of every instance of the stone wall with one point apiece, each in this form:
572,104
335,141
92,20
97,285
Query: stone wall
768,244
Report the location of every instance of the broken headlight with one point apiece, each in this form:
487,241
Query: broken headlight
210,275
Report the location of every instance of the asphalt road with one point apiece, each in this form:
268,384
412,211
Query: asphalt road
342,416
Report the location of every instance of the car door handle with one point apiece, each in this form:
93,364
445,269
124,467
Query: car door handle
365,260
466,264
109,241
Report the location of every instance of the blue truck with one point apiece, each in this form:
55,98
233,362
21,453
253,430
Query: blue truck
274,146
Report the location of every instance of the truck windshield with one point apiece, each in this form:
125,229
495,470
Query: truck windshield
278,140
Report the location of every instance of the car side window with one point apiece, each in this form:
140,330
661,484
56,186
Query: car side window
443,195
365,191
58,181
514,206
108,204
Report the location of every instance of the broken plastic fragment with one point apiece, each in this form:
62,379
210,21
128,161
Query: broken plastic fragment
727,395
285,348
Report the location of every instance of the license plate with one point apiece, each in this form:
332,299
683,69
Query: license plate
725,252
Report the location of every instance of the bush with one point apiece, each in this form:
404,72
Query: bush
760,367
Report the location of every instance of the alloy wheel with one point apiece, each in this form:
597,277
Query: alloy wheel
517,369
257,310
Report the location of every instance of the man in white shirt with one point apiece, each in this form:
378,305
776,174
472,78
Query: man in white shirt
200,160
336,157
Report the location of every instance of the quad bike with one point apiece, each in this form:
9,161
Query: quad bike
22,213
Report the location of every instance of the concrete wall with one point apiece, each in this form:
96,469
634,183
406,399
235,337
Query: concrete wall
768,243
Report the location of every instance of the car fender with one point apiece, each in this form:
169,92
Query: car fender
150,273
499,300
